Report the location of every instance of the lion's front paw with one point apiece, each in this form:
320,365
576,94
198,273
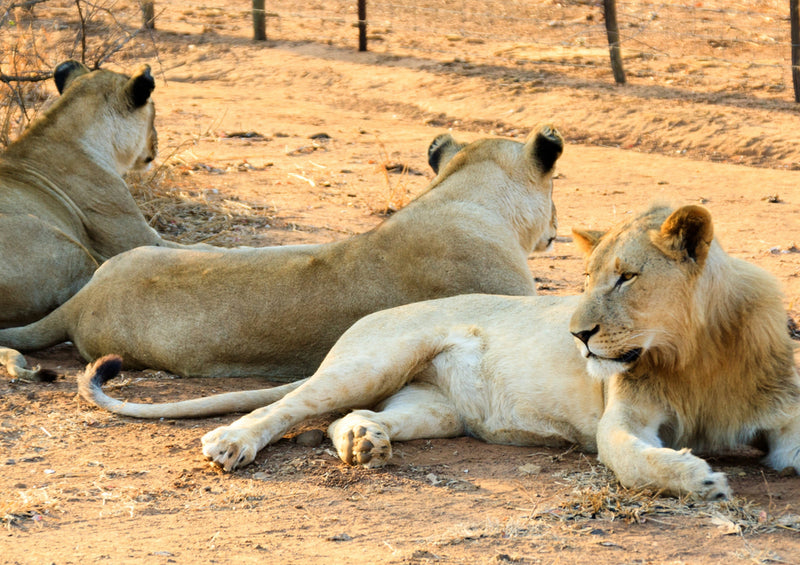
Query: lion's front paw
361,442
677,473
230,448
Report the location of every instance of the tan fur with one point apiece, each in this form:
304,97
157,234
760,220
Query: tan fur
715,368
277,311
64,206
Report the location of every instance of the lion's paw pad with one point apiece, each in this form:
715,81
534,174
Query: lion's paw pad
365,444
229,448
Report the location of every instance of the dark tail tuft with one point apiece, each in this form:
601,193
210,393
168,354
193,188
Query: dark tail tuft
45,376
104,369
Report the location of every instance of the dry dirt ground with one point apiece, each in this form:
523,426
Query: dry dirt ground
79,485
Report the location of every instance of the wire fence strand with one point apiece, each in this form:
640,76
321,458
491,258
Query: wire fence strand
667,40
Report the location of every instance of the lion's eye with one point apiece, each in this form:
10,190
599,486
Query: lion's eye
625,278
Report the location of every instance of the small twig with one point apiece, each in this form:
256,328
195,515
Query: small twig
83,31
309,181
114,48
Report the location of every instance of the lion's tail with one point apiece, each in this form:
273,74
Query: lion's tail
50,330
106,368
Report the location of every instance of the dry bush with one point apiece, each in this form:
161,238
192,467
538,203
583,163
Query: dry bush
22,69
37,35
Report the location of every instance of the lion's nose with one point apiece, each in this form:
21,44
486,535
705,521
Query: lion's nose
586,334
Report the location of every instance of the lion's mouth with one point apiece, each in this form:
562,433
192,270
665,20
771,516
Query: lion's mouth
626,358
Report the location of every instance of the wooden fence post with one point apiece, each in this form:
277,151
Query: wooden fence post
362,25
794,16
259,21
148,15
612,30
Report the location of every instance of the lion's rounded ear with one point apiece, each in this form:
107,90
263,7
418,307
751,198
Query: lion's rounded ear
686,234
586,240
68,71
546,147
441,150
139,87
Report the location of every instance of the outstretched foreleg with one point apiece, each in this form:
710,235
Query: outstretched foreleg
628,443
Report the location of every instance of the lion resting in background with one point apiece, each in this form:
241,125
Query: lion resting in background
679,346
277,311
64,206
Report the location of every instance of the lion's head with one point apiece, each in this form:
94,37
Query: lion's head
117,112
530,164
641,289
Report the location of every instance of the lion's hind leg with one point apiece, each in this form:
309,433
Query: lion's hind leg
361,370
418,411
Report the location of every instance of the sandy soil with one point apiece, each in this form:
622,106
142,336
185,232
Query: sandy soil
79,485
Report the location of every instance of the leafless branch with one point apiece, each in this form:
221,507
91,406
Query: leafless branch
32,76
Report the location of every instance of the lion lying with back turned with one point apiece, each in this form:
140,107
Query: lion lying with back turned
679,346
277,311
64,206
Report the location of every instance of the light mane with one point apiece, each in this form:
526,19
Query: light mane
729,371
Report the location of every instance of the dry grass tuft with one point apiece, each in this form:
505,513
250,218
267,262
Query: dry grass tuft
593,496
181,212
27,504
398,194
597,494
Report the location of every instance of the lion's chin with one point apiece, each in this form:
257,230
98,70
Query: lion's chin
602,368
142,166
545,245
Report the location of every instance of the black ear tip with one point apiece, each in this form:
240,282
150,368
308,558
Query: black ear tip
63,71
548,146
435,150
67,66
141,86
438,142
147,76
550,135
